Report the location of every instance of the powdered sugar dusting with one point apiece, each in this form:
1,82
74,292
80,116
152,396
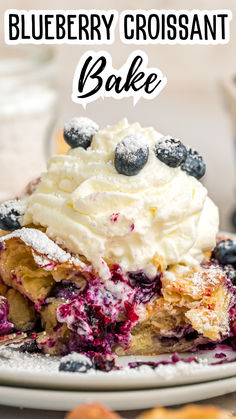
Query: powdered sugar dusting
81,125
41,243
228,244
43,262
211,277
198,284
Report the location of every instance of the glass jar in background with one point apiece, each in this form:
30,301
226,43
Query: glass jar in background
229,93
28,108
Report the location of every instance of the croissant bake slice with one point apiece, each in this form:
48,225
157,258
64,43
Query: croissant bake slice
179,309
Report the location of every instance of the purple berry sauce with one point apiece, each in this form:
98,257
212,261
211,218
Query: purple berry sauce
146,288
5,325
102,363
174,359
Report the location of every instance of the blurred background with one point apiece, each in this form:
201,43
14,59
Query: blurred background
198,104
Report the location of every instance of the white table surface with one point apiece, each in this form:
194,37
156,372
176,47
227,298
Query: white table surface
225,402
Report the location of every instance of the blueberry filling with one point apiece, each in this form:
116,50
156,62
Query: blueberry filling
102,314
100,317
146,288
170,151
131,155
178,335
66,290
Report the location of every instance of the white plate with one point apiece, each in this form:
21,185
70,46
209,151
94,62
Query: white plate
117,400
41,371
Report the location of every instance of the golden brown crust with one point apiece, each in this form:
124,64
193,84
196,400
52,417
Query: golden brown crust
18,270
3,288
21,311
203,294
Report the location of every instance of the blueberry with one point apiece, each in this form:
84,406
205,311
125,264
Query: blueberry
170,151
230,272
10,222
131,155
30,347
145,287
78,132
73,366
225,252
10,212
75,363
194,164
101,363
65,290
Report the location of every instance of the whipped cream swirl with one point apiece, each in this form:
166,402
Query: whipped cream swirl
161,215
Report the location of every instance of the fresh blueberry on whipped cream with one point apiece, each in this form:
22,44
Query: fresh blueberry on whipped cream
171,151
162,211
194,164
10,213
131,155
78,132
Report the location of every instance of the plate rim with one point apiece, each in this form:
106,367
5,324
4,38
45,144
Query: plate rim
117,400
123,380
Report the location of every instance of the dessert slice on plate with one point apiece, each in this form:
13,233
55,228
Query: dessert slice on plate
115,249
